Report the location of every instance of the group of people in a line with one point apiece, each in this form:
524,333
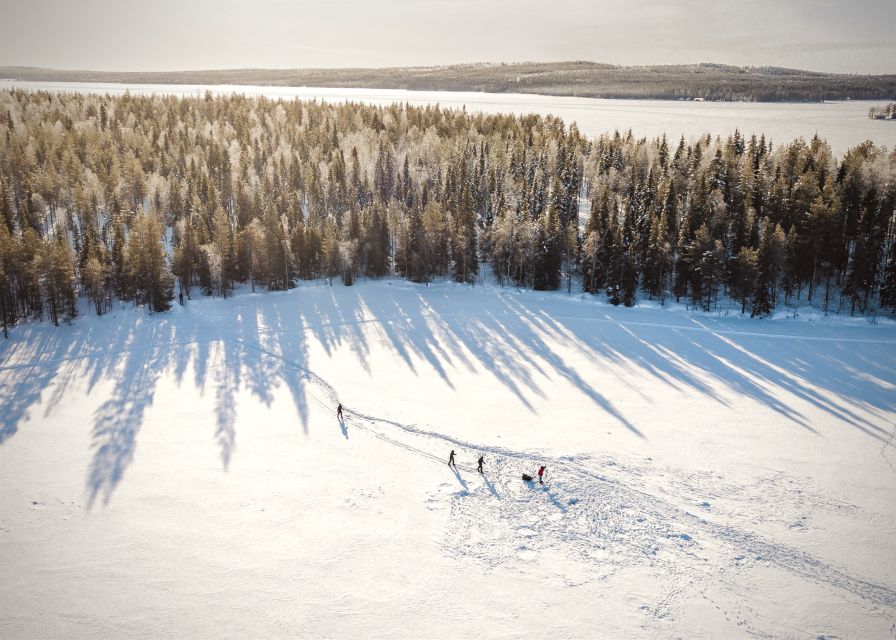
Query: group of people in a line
452,463
481,461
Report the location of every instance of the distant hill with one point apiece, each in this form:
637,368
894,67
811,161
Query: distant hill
587,79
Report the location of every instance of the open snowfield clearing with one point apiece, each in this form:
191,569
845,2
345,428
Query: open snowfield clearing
707,477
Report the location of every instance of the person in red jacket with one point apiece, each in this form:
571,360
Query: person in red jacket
541,474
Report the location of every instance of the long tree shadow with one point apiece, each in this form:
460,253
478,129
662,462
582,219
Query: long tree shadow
285,351
27,370
228,379
256,343
763,368
119,419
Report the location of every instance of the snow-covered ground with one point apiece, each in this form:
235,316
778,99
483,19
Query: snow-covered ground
184,474
843,124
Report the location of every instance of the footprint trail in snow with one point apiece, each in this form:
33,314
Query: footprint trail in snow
602,519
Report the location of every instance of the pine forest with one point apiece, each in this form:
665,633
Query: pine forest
147,198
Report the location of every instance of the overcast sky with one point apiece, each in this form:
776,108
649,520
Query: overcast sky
117,35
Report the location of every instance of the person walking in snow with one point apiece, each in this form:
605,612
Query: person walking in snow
481,461
339,411
451,462
541,474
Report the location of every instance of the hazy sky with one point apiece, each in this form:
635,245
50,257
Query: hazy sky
825,35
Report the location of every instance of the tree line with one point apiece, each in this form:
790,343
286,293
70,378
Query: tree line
581,78
140,197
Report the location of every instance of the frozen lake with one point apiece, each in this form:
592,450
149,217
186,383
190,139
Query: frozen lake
843,124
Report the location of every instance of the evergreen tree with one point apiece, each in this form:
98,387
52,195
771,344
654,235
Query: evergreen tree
378,244
594,258
658,259
330,250
888,284
743,270
550,241
252,252
147,264
768,264
58,280
277,250
118,258
436,235
706,260
7,274
465,263
617,262
223,250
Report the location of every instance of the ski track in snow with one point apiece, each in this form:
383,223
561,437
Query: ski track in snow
889,445
592,518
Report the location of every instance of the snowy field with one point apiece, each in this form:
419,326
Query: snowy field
184,474
842,124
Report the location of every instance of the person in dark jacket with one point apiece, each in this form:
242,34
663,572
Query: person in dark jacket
339,411
451,462
541,474
481,461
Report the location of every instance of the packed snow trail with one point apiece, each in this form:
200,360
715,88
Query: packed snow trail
584,513
889,449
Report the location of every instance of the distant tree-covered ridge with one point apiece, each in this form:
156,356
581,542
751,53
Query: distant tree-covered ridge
585,79
140,197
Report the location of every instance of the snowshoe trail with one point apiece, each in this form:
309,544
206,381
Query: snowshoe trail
588,516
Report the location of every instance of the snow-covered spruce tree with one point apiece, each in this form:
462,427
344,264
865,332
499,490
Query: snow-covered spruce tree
330,262
743,271
150,277
706,259
118,257
276,248
768,264
8,253
598,240
464,254
617,262
436,233
549,243
221,254
888,279
7,213
348,257
658,259
58,279
96,279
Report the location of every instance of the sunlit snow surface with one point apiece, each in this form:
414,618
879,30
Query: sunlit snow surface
709,476
843,124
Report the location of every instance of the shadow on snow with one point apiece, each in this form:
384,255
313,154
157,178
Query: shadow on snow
258,343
